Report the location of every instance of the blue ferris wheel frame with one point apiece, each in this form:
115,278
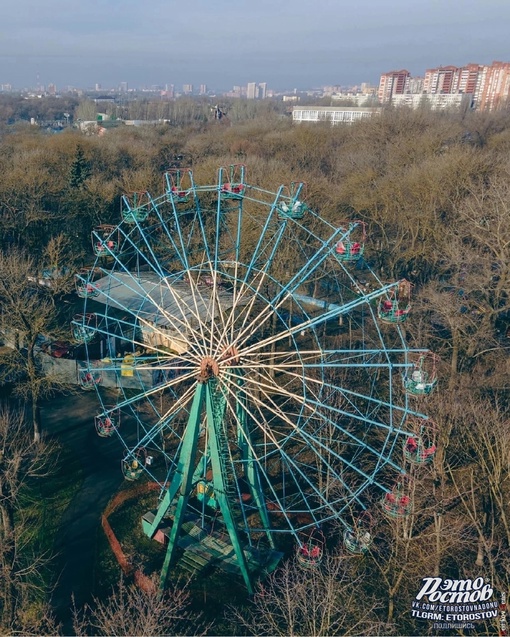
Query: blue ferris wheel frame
193,257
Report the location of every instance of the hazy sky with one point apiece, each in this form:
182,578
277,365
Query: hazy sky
303,43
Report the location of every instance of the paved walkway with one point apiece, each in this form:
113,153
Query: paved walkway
71,420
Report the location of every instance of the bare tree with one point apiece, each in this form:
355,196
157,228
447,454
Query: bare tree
21,459
321,600
26,314
130,610
480,473
58,266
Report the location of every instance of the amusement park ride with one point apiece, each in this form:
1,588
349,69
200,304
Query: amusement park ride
263,389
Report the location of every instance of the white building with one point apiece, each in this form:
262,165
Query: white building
332,114
435,101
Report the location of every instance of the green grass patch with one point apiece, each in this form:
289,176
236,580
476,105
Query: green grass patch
143,553
43,502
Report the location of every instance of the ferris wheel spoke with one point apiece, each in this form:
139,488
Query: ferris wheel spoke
306,271
182,321
173,365
166,418
295,470
146,392
346,393
105,329
311,406
163,226
278,413
295,429
185,245
337,359
312,322
153,262
144,295
109,326
214,309
238,310
253,288
247,281
236,295
198,335
273,240
183,255
256,458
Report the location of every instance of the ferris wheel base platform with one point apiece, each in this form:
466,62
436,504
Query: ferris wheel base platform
212,548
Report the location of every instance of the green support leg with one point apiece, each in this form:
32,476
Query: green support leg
215,406
183,484
251,473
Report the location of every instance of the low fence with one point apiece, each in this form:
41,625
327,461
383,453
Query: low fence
116,373
141,580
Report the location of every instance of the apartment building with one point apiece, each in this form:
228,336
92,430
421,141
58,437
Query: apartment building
392,83
494,91
489,85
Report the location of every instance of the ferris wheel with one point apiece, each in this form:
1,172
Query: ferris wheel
258,382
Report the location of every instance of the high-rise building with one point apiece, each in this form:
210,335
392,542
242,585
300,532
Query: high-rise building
469,76
187,89
203,89
123,87
251,91
489,85
262,90
494,86
392,83
52,89
441,80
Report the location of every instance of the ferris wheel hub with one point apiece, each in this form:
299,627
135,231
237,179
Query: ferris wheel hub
208,368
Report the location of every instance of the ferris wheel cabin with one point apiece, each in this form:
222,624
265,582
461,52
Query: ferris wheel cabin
395,307
358,538
422,378
89,376
179,185
232,181
398,502
84,327
105,240
133,464
290,204
136,207
351,246
310,550
420,447
85,282
106,424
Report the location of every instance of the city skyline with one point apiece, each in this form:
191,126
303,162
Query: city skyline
224,43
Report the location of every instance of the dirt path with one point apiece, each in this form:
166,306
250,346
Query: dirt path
71,421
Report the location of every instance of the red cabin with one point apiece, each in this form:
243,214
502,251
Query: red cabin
395,307
351,246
